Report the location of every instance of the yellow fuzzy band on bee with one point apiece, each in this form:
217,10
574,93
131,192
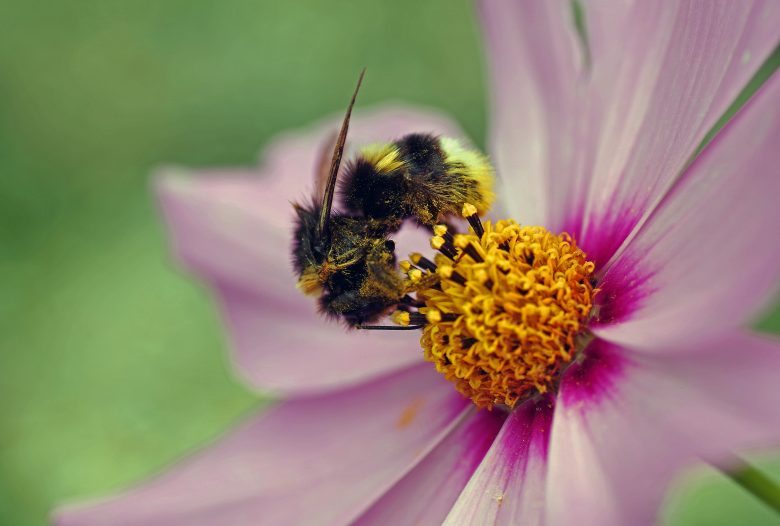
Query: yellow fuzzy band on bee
475,166
384,157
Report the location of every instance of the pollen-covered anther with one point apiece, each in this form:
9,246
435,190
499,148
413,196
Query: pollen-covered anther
415,275
433,316
439,230
503,320
437,242
401,317
445,271
468,210
421,261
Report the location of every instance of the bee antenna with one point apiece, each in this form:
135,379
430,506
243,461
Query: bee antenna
338,150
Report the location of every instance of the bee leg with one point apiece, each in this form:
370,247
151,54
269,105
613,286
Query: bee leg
382,279
355,308
389,327
408,301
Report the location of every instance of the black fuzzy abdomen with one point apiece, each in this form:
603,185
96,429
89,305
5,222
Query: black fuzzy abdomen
376,194
410,189
422,155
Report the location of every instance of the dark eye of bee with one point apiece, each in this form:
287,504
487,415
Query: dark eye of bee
319,251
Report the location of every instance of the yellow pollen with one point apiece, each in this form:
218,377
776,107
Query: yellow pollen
468,210
415,275
462,241
437,242
504,318
433,316
401,317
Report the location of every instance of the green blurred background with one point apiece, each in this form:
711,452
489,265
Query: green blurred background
112,363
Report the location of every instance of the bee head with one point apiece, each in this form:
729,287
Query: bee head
310,249
313,232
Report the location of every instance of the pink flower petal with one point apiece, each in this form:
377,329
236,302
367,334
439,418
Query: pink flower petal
708,257
291,352
535,62
666,73
427,493
233,228
729,383
627,422
508,487
609,462
600,145
310,461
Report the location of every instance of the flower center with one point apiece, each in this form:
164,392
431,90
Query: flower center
504,306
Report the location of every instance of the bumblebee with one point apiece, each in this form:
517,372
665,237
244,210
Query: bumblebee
347,258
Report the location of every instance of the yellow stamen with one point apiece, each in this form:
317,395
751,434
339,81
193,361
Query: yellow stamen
462,241
445,271
400,317
415,275
468,210
439,230
437,242
433,316
503,322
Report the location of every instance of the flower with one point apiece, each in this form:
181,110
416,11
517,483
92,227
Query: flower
594,141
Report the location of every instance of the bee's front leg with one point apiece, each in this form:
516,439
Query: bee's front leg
382,279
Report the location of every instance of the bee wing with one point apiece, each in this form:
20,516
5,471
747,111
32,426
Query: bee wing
322,167
333,172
